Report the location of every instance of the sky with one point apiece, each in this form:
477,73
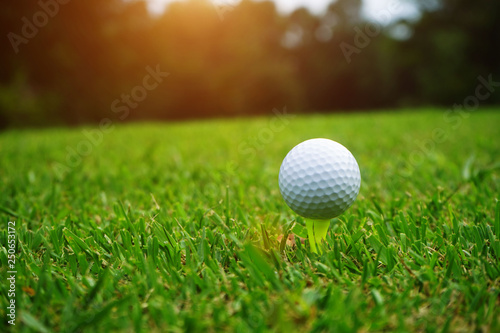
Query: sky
372,8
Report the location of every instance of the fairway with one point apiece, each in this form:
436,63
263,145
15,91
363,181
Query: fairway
174,227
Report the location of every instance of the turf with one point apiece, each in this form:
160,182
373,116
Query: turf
181,227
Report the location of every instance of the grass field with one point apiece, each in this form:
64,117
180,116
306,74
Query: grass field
181,227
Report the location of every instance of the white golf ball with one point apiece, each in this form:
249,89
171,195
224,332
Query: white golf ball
319,179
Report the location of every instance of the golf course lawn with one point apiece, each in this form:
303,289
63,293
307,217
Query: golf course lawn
171,227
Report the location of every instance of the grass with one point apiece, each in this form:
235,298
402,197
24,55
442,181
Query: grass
181,227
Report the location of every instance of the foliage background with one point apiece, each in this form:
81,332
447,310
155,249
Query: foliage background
245,59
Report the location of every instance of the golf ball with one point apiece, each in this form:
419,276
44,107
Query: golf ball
319,179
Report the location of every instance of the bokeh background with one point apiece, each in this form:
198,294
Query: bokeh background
70,62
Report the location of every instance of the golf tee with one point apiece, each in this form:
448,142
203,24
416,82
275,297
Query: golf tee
316,230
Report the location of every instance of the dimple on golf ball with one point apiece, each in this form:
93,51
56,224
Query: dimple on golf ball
319,179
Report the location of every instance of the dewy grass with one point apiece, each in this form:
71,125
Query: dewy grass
181,227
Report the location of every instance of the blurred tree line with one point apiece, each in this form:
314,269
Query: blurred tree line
73,61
